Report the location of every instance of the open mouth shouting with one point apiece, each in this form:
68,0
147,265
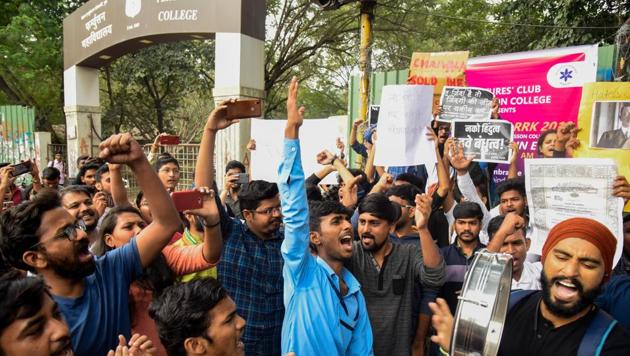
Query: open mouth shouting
566,290
346,242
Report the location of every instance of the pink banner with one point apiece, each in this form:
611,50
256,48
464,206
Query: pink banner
537,91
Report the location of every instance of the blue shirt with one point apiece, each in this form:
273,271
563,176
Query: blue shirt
615,299
251,272
318,319
102,313
456,267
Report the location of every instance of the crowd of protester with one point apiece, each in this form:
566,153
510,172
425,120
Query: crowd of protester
372,265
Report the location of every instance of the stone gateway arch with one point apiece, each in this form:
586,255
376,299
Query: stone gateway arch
101,31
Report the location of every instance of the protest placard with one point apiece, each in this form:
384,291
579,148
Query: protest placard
487,141
559,189
465,103
316,135
438,69
405,113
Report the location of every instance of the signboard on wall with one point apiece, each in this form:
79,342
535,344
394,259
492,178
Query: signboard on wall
102,30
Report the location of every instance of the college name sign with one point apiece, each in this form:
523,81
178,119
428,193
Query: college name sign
103,30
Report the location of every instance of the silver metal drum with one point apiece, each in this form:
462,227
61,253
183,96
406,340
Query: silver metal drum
482,305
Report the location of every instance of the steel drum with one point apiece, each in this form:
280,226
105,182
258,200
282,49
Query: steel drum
482,305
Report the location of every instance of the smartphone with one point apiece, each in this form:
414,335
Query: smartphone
169,140
242,109
187,200
21,168
243,178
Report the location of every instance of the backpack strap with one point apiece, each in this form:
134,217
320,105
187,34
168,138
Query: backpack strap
596,334
518,295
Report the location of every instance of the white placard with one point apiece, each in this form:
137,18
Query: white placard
559,189
316,135
404,115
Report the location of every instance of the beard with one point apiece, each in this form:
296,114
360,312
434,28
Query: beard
375,246
71,267
585,298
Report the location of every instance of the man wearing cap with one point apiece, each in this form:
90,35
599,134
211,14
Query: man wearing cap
561,319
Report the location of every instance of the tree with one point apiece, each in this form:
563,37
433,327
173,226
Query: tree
151,90
31,64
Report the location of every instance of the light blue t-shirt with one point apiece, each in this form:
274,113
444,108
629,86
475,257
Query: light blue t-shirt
102,312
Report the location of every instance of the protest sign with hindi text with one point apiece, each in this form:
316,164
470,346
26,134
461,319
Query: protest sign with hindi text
487,141
465,103
404,115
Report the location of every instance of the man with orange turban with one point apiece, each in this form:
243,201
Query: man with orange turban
561,319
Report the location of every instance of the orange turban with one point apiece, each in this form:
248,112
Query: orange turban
585,229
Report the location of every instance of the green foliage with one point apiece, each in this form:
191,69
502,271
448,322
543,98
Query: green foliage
152,91
169,87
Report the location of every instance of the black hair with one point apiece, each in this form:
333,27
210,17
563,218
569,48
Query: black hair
235,165
82,158
517,184
468,210
378,204
83,170
83,189
182,311
319,209
19,225
541,139
20,297
139,199
156,276
163,159
257,190
100,171
413,180
495,223
406,192
313,193
51,173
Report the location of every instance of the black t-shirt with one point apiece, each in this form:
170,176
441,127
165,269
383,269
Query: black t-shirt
526,332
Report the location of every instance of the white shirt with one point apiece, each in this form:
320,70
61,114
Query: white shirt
530,277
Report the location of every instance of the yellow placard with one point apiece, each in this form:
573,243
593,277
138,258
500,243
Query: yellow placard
438,69
592,94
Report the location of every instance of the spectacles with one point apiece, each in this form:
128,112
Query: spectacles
69,232
269,211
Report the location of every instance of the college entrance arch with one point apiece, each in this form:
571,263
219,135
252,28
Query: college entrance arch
101,31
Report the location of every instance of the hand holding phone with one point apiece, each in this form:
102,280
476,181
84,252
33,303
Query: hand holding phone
243,178
187,200
21,168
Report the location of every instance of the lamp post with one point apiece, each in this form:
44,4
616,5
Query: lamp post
365,50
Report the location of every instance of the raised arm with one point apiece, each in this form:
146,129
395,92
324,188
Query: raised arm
204,167
293,193
122,148
430,267
511,223
444,181
212,241
37,183
513,170
119,193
